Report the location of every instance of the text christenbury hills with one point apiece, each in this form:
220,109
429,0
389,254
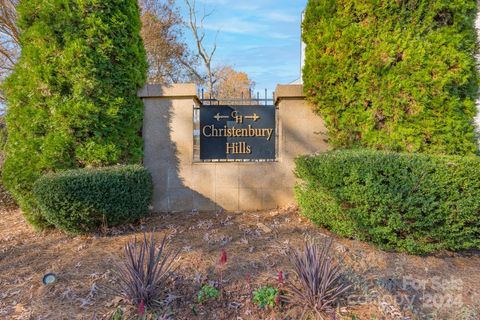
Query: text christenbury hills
249,131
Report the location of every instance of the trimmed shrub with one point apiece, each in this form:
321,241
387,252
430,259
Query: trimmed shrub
407,202
72,97
82,200
394,75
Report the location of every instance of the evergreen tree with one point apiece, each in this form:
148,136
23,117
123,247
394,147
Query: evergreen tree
395,75
72,97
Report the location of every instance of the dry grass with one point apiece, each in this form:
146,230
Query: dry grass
255,243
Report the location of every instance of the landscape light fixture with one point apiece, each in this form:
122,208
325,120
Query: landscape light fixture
49,278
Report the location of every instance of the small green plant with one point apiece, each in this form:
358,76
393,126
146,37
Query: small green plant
265,296
208,293
117,315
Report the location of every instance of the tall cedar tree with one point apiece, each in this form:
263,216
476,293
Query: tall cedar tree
395,75
72,97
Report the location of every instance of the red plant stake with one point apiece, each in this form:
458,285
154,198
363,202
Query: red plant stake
221,264
141,308
249,286
280,277
277,299
280,285
223,257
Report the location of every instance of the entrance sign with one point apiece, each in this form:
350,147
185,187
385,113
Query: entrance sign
237,132
254,173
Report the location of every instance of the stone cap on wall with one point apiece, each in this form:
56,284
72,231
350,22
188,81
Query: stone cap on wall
178,90
289,91
189,90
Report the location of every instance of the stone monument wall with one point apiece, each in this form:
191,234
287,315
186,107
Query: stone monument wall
182,184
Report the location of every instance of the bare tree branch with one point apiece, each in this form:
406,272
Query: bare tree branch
198,33
192,70
10,40
8,19
169,58
162,31
8,56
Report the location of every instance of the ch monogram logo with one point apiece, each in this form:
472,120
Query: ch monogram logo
237,117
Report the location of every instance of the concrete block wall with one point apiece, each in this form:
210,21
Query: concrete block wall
181,184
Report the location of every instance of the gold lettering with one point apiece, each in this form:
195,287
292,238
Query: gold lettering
251,131
248,149
204,133
214,131
238,148
269,132
231,148
238,117
211,131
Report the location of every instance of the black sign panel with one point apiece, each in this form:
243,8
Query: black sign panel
237,132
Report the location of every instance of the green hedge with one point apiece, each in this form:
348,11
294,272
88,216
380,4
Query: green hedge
72,97
82,200
394,75
407,202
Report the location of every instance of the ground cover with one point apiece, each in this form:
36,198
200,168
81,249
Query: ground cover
384,285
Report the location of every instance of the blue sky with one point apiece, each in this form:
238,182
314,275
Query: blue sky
260,37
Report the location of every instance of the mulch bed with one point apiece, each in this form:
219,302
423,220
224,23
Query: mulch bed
385,285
